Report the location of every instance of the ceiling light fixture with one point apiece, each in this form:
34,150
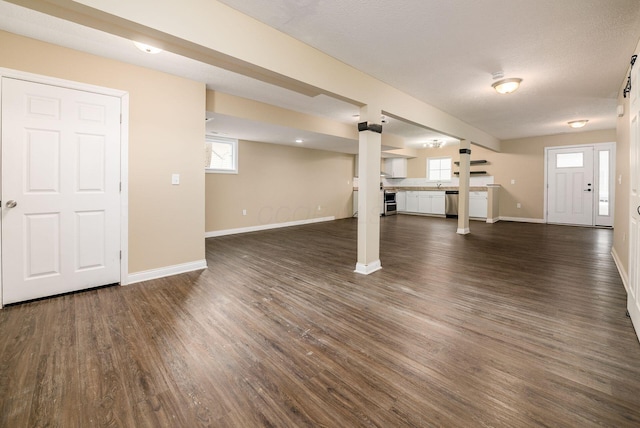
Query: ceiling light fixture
146,48
299,140
507,86
578,123
435,144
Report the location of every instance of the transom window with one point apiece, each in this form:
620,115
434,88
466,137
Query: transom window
570,160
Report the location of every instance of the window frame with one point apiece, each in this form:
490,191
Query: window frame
450,169
233,142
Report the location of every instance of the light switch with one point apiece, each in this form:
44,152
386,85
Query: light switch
513,181
175,179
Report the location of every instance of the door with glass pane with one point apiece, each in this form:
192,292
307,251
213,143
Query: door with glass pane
580,184
605,157
570,193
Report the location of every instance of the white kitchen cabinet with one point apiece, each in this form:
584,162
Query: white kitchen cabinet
437,204
424,203
401,201
478,204
396,167
412,201
431,202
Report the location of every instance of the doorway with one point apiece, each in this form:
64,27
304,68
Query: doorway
579,184
62,207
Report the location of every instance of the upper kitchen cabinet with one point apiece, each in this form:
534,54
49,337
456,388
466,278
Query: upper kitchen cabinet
396,167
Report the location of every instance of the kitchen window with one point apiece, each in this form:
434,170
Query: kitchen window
439,169
221,155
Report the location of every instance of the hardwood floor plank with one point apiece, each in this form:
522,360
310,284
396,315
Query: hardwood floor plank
515,325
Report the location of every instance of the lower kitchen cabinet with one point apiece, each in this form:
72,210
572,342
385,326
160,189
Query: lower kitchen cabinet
437,204
412,201
420,201
401,201
430,202
478,204
433,202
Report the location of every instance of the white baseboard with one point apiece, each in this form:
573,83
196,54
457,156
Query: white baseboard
225,232
493,220
463,231
523,219
621,269
363,269
166,271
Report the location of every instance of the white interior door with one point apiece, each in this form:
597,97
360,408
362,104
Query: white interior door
570,193
633,288
60,190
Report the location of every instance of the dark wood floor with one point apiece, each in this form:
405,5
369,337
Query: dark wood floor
515,325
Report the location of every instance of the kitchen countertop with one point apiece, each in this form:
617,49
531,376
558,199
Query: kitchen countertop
434,188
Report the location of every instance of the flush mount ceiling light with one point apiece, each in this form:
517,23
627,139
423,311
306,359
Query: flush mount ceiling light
578,123
146,48
507,86
299,140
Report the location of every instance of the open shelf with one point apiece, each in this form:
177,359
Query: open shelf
473,173
473,162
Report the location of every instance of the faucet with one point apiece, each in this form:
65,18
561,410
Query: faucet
438,185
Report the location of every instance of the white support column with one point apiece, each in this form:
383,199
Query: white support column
370,144
463,196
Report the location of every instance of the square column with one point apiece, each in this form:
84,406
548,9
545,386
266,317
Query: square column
463,196
369,200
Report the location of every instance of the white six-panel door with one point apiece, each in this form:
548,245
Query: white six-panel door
60,190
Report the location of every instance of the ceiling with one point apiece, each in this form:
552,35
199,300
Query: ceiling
572,56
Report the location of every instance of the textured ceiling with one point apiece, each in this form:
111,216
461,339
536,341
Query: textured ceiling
572,54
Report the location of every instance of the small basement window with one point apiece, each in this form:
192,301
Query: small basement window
221,155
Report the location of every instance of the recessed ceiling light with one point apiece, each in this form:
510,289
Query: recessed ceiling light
146,48
507,86
578,123
299,140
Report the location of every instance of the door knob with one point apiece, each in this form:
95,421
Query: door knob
638,210
587,190
11,204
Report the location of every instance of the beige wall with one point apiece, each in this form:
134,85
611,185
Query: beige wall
623,181
166,222
279,184
521,160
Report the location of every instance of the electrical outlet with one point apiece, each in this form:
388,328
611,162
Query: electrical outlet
518,205
319,208
175,179
244,212
513,181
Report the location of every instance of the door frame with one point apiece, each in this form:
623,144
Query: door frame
124,154
596,147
